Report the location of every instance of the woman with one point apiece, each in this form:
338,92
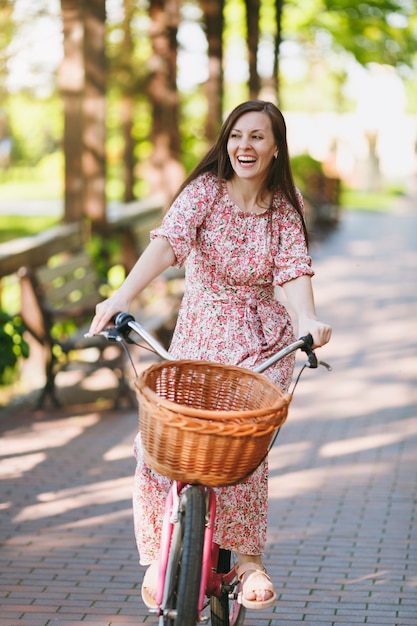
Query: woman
238,224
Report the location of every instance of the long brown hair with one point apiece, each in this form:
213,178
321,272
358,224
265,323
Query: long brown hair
279,176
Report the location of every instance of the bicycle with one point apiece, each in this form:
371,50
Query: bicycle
191,566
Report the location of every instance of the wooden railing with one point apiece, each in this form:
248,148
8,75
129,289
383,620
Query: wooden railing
37,249
133,220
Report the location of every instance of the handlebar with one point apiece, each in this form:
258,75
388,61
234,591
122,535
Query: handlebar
304,343
125,326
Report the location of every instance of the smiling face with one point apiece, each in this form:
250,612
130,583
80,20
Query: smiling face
251,146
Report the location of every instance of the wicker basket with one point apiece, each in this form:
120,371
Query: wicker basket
205,422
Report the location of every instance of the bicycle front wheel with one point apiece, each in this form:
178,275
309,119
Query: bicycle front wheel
225,610
186,563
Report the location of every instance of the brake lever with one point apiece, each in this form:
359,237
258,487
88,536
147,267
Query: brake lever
326,365
111,333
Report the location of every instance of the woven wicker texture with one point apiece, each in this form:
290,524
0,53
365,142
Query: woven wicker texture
206,422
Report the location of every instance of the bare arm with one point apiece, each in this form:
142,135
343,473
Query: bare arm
156,258
299,293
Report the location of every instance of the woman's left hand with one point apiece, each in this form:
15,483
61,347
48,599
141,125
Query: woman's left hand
320,332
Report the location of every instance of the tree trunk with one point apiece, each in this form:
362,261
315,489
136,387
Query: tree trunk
71,83
252,24
278,39
127,104
127,109
214,22
94,108
164,171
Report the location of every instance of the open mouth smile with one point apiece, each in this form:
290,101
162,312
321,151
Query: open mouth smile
243,160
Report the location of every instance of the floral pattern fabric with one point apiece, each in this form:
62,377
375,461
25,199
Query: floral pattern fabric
233,261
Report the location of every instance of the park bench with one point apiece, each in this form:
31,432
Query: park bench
56,296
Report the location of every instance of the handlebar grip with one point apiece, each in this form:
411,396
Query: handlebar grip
308,349
121,319
308,341
121,325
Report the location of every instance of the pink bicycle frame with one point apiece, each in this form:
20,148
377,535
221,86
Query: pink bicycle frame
210,581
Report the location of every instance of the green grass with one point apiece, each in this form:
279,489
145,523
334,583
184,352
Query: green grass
368,200
30,189
41,182
14,226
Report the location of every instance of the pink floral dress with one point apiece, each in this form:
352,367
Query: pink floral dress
228,314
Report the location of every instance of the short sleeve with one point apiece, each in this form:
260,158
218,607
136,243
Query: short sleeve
186,214
292,259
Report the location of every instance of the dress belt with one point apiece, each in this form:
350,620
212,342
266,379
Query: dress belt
240,298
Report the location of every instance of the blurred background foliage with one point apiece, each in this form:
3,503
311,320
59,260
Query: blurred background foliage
132,92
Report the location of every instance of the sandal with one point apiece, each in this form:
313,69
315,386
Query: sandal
149,585
263,582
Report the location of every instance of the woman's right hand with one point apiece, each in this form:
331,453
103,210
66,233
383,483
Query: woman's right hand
106,311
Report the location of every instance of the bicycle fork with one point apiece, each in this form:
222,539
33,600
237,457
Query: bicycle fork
171,545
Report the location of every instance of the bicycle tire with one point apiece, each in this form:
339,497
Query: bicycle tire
226,611
185,581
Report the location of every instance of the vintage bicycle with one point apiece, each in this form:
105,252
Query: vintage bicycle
203,425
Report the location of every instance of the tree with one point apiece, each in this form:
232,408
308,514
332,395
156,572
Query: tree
214,22
379,31
277,45
252,29
127,102
164,169
71,83
94,111
82,80
6,34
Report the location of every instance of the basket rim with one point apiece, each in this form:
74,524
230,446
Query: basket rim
283,400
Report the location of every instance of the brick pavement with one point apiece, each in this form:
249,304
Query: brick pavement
342,533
